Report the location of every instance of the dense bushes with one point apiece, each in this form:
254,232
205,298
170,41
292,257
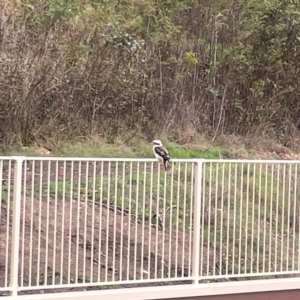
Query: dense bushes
72,68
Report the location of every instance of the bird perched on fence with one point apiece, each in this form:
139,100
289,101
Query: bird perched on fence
160,152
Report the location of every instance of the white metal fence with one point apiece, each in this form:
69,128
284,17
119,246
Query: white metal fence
76,222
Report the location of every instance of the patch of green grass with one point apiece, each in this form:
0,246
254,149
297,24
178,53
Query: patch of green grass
91,148
96,147
138,148
4,196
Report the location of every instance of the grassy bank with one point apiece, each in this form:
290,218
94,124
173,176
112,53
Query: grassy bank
96,147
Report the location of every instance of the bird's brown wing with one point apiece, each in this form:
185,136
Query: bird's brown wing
165,150
162,152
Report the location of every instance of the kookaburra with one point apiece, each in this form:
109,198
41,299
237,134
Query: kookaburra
160,152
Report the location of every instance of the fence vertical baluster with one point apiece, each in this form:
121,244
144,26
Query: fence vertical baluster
197,220
192,185
22,263
14,270
203,211
7,248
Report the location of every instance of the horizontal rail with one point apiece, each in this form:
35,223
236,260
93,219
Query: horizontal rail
175,292
92,159
253,161
120,159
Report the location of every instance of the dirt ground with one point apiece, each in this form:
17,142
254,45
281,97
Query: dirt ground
82,241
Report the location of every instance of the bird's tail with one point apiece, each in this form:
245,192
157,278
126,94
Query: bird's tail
166,165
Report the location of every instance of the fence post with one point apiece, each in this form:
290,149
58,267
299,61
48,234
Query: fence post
197,219
14,265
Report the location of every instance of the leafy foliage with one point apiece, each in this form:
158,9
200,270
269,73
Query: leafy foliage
80,68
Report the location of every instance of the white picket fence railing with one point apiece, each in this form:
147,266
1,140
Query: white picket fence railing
94,222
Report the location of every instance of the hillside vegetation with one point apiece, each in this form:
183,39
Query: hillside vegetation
73,68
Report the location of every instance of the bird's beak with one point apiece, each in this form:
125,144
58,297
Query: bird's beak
151,143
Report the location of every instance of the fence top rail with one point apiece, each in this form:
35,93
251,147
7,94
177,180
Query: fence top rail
145,160
253,161
93,159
